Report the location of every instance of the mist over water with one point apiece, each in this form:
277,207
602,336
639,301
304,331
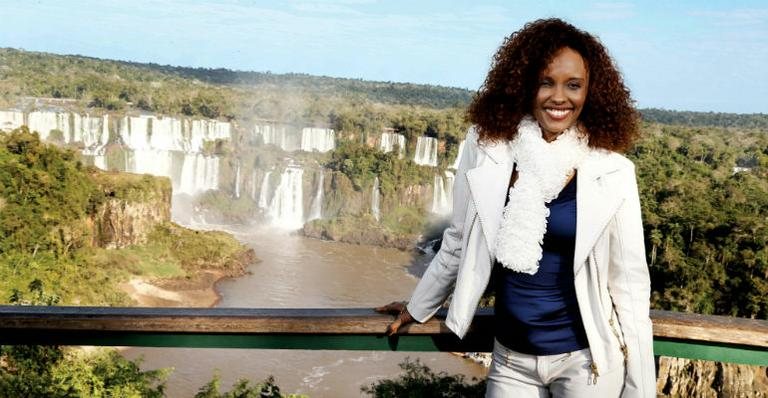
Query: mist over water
297,272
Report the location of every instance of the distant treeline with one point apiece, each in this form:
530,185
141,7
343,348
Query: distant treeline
376,91
224,93
706,119
162,88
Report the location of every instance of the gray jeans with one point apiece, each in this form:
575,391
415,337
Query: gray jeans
517,375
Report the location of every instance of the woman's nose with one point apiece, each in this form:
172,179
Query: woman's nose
559,95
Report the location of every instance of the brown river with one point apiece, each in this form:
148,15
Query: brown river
307,273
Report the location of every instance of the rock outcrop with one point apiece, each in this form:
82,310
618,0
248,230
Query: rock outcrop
680,377
133,206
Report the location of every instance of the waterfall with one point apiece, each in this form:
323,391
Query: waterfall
45,121
167,134
439,197
277,135
316,209
375,199
11,119
237,182
157,145
449,179
317,139
426,151
198,173
390,140
94,134
151,143
198,132
264,192
148,161
134,132
287,208
458,156
253,185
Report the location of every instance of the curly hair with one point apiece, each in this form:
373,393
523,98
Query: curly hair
508,93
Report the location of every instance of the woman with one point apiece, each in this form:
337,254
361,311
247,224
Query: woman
543,200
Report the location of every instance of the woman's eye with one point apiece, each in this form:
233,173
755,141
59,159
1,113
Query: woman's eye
574,86
545,83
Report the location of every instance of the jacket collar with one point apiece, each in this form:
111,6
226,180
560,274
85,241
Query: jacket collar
596,199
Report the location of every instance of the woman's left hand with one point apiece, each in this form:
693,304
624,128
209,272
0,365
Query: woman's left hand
399,309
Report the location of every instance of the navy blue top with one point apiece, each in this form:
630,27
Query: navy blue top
538,314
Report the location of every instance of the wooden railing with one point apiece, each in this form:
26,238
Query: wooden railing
680,335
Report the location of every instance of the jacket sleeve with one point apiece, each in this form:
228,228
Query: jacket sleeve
630,288
440,277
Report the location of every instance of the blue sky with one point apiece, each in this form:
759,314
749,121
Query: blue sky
685,55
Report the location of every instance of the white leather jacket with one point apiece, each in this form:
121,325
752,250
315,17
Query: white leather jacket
610,272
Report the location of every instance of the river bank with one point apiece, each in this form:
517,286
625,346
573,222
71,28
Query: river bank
297,272
198,291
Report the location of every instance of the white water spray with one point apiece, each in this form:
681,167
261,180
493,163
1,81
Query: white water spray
287,208
376,199
316,209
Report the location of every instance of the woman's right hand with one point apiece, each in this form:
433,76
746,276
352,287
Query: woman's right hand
402,316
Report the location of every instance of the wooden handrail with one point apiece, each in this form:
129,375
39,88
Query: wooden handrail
666,324
681,334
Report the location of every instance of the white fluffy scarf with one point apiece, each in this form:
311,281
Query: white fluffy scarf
543,169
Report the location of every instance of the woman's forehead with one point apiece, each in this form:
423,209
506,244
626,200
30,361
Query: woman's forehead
566,61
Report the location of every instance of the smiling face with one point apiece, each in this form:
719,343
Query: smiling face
561,93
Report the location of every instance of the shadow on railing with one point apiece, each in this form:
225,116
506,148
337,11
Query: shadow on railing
692,336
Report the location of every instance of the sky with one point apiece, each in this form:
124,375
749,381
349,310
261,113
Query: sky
681,55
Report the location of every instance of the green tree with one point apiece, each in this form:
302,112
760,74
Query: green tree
419,381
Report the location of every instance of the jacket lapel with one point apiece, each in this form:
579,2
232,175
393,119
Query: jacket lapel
488,185
596,202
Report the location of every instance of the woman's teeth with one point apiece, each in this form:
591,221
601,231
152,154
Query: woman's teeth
558,113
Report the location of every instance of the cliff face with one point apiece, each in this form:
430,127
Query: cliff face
133,206
350,215
341,199
680,377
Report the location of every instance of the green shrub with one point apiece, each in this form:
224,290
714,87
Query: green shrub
418,381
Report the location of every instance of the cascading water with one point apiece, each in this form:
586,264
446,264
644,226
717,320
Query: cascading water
317,139
456,162
253,186
449,179
11,119
264,192
162,146
237,182
376,199
439,197
149,151
390,140
273,134
198,132
152,143
287,208
45,121
94,134
426,151
316,209
199,173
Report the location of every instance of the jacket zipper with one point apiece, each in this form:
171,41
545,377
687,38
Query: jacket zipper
611,322
593,376
593,366
621,344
